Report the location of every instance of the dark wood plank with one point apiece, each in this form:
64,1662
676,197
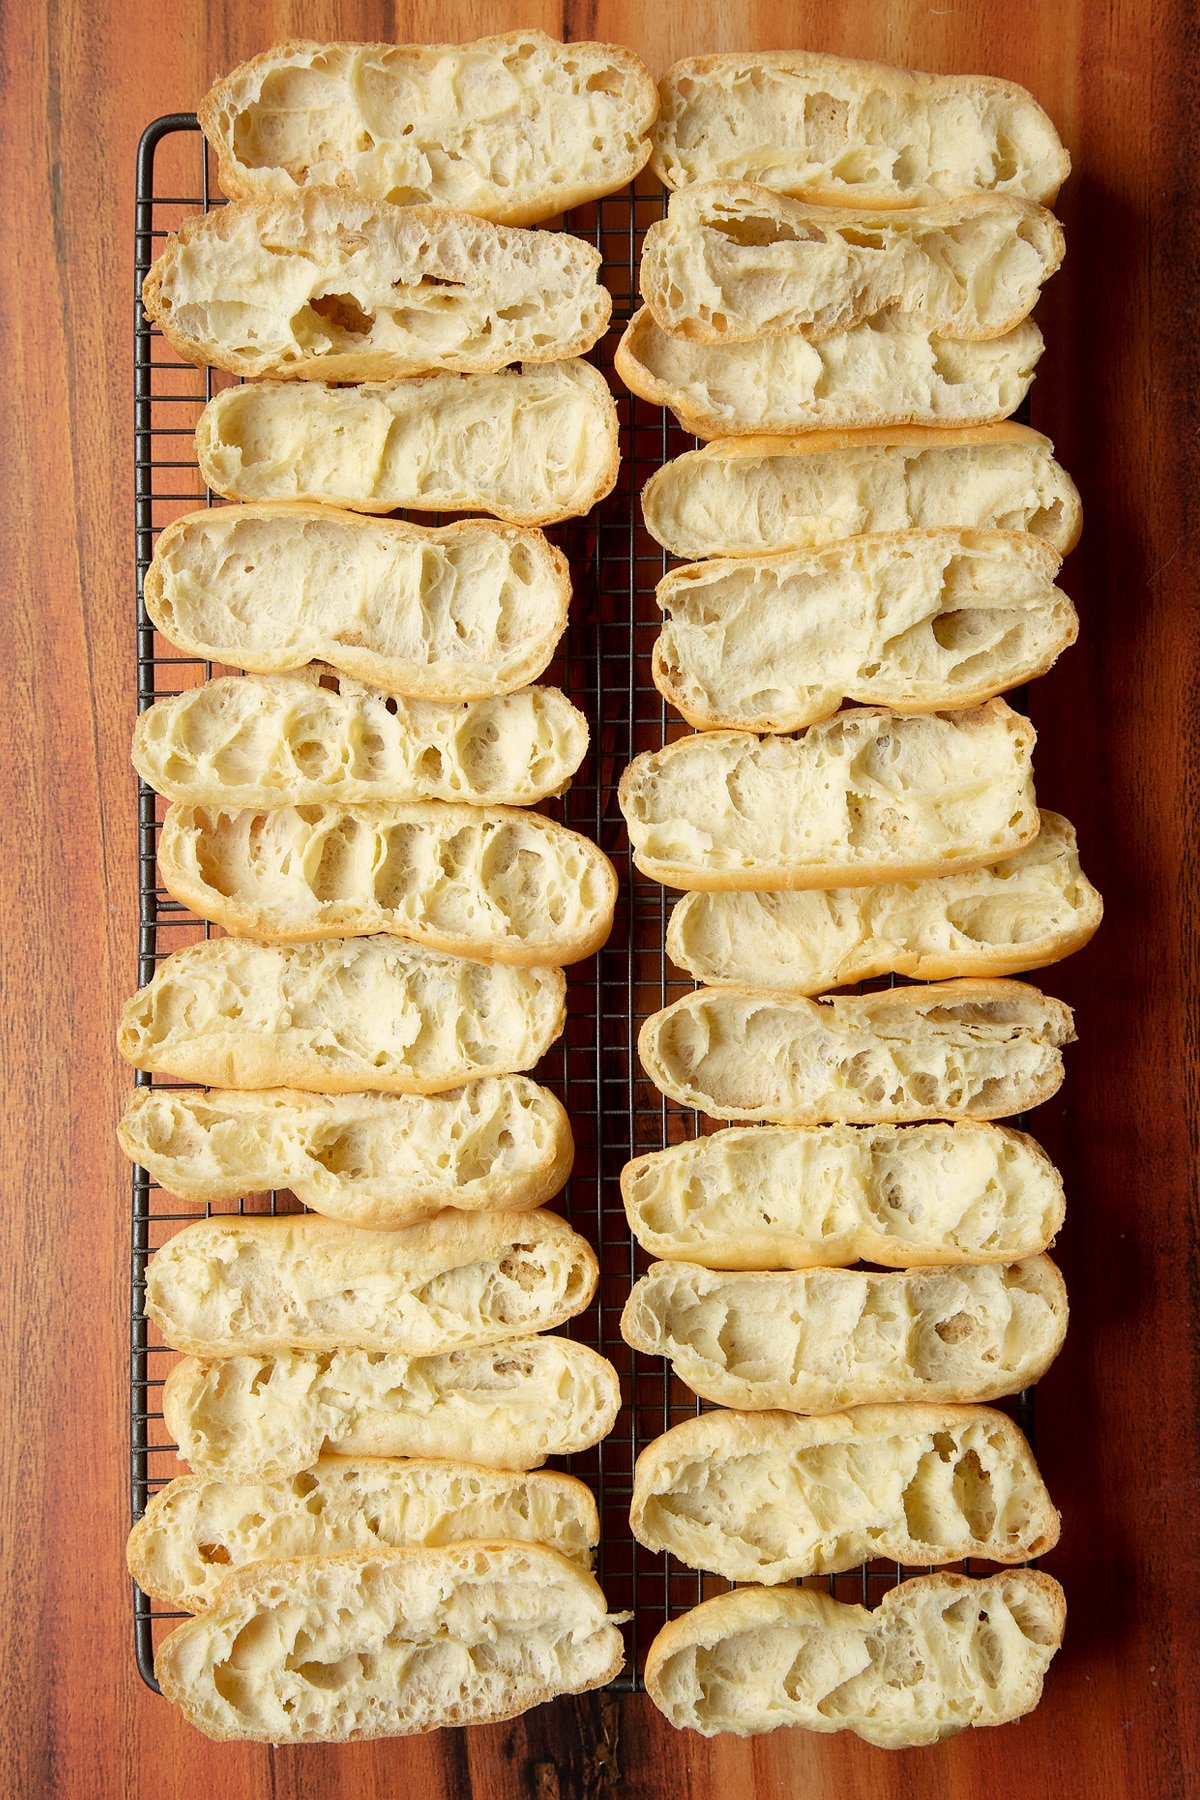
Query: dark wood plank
1118,1416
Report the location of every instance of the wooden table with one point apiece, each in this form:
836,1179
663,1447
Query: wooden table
1119,751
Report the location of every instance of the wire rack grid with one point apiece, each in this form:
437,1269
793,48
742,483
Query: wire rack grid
603,664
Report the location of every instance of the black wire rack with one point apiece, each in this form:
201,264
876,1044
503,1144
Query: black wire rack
603,665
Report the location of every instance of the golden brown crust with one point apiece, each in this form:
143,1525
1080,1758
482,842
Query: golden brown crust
905,437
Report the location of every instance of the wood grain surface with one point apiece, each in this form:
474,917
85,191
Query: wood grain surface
1119,727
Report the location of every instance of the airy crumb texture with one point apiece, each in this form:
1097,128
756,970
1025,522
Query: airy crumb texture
884,371
382,1160
918,620
225,1287
770,1497
1029,910
863,798
508,1406
838,131
813,1340
532,445
197,1529
954,1050
348,1015
331,286
801,1196
750,496
514,128
938,1654
456,612
331,1649
271,740
732,262
499,883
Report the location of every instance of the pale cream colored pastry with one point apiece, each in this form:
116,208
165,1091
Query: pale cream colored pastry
815,1340
508,1406
271,740
517,128
953,1050
863,798
346,1016
1029,910
454,612
196,1530
733,261
750,496
326,285
845,132
381,1160
919,620
939,1653
531,445
771,1497
498,883
247,1286
885,371
803,1196
328,1649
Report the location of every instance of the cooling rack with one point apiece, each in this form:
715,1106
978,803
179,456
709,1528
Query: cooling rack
603,665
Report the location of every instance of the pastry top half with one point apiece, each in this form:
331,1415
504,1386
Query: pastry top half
348,1015
948,1050
311,737
883,372
803,1196
845,132
773,1497
515,128
1021,913
377,1160
938,1654
507,1405
236,1286
865,797
733,262
750,496
328,285
198,1528
531,445
329,1649
816,1340
923,621
452,613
